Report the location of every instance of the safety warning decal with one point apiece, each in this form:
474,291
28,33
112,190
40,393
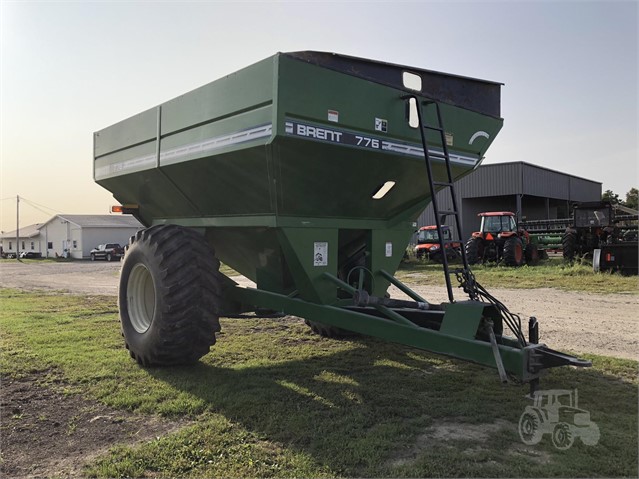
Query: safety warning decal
333,115
320,254
381,125
449,139
389,249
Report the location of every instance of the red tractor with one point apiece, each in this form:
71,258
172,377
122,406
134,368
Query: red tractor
499,239
429,246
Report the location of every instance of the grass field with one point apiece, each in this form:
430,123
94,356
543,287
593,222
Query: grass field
551,273
274,400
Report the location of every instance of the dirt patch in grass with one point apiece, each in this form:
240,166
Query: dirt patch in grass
535,454
448,433
442,432
47,432
445,431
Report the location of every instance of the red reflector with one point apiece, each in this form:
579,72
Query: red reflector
608,257
116,209
489,237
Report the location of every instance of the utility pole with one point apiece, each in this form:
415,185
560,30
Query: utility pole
17,226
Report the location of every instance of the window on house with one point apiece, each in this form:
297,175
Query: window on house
50,245
10,245
32,245
75,244
23,245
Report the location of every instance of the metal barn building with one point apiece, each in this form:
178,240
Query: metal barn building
530,191
77,235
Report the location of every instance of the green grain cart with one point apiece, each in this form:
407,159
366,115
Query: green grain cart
305,172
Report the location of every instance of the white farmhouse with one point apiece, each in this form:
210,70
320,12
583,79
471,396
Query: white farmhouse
28,241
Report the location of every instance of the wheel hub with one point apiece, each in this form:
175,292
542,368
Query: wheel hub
141,298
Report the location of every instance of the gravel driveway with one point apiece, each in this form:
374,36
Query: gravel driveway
88,277
579,322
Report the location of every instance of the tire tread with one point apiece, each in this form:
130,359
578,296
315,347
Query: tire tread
191,293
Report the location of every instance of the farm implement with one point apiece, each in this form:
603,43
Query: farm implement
305,172
593,231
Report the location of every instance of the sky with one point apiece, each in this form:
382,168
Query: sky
68,69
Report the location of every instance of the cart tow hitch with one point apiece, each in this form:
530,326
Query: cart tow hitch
542,357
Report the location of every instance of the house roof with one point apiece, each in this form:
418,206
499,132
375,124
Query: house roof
99,221
26,232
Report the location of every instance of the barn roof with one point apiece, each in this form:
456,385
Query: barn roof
99,221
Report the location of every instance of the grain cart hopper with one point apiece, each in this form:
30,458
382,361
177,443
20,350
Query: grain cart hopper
305,172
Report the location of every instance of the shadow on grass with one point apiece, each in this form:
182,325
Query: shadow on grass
359,410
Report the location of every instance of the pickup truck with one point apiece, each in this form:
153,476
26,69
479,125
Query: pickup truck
108,251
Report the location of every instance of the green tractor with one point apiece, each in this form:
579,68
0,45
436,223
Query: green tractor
500,239
596,231
592,226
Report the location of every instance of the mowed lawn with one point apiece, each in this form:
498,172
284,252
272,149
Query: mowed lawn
551,273
274,400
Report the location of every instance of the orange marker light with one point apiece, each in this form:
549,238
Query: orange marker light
126,209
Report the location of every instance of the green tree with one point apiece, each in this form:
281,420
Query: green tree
608,195
632,200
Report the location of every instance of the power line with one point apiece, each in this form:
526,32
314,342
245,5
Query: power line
35,205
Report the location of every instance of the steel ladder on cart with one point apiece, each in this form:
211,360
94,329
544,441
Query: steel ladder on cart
445,184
